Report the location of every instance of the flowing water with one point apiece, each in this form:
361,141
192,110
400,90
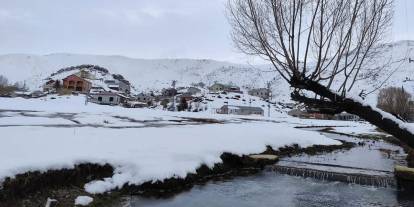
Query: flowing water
370,163
270,189
361,176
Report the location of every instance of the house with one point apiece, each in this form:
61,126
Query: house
96,89
76,83
37,94
189,91
218,87
193,90
185,96
317,115
135,104
241,110
51,85
232,89
260,92
85,74
11,93
344,116
308,114
118,85
107,98
199,84
169,92
298,113
145,98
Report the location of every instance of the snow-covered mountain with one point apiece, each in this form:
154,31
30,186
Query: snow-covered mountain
391,66
143,73
154,74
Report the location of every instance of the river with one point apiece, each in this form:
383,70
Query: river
274,188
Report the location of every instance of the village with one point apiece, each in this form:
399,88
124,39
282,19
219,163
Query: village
118,91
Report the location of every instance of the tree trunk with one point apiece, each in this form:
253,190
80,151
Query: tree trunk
366,112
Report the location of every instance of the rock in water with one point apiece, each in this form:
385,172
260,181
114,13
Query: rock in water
83,200
405,173
50,201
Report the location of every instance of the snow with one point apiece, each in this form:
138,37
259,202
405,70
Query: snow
386,115
83,200
32,121
145,74
358,130
140,153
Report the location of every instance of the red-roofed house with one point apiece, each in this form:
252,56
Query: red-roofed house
76,83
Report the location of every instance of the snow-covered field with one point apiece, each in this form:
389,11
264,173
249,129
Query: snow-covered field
141,144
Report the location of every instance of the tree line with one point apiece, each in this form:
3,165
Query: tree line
7,88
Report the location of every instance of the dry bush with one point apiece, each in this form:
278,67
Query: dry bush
7,90
64,91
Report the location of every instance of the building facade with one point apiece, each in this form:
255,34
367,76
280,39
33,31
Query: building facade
118,86
193,90
260,92
107,98
241,110
75,83
169,92
144,98
50,85
347,117
218,87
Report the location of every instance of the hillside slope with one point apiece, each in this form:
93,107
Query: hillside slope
154,74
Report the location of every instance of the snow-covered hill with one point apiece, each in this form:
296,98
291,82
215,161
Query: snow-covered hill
153,74
143,73
390,66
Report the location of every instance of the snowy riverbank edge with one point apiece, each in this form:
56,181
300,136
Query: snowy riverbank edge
144,154
66,184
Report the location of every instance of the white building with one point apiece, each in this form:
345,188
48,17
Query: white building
107,98
241,110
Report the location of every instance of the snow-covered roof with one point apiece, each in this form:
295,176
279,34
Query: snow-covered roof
250,108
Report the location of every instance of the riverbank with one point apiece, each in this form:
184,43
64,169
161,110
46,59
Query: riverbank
33,189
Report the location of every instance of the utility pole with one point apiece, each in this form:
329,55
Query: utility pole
268,98
173,86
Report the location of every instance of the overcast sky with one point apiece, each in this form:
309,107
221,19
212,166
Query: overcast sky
134,28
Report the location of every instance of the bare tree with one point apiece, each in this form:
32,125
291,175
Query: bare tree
319,47
395,101
3,81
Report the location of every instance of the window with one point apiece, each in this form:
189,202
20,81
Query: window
111,99
99,98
